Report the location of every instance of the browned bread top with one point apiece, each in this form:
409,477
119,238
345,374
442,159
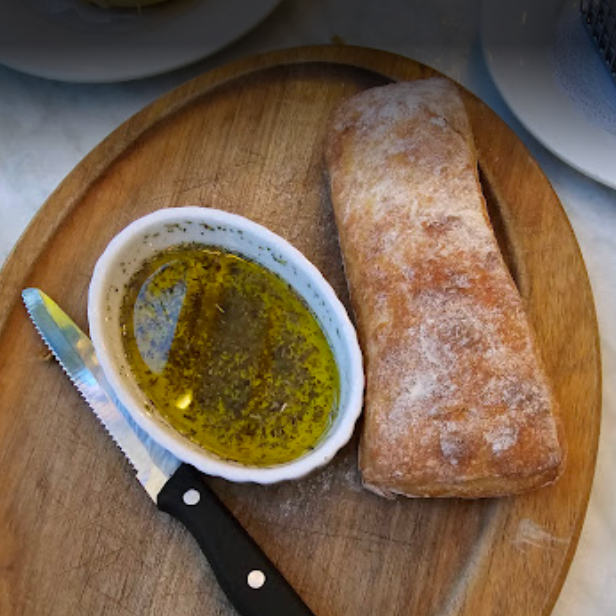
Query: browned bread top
457,399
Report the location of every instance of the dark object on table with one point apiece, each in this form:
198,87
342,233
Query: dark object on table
599,17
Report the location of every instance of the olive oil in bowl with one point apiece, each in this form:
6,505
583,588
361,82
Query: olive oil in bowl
229,354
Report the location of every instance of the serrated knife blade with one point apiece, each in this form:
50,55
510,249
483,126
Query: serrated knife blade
75,353
252,583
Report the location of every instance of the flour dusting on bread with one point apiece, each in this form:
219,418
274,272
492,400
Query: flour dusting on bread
457,401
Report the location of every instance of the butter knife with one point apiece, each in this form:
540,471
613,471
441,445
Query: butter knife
251,582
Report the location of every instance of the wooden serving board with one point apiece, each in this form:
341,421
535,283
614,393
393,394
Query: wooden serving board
77,533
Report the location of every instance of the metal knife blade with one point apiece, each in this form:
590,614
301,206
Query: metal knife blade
75,353
239,564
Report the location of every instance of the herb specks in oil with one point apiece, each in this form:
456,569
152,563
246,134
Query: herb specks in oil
230,355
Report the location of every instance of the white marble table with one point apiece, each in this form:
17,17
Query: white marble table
46,127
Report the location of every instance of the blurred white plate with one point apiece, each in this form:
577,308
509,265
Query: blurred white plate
545,66
72,41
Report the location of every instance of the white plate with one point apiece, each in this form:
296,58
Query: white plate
545,66
72,41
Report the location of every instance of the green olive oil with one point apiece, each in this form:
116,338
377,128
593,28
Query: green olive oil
229,354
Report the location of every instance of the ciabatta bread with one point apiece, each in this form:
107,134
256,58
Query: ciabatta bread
457,399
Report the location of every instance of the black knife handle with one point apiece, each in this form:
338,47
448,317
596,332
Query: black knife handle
251,582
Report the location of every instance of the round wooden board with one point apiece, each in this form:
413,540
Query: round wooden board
79,536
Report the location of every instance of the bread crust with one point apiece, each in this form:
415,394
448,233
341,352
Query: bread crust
457,399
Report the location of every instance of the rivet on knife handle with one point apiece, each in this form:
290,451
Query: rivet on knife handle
251,582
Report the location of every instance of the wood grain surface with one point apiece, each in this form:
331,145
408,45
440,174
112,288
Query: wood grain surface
77,533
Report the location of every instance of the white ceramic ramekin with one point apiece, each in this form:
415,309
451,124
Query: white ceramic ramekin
143,238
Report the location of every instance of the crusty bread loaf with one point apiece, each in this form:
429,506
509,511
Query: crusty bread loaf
457,399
